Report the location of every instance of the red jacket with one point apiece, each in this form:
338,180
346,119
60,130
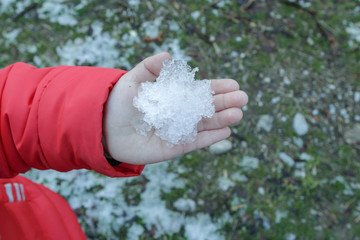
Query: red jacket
51,118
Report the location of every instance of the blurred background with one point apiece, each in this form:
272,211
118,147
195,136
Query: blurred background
290,169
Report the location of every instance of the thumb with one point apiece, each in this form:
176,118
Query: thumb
149,68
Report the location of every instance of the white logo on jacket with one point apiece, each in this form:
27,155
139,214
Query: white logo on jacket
19,192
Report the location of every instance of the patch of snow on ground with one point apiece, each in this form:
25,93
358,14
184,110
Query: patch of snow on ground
201,228
225,183
99,49
58,12
152,28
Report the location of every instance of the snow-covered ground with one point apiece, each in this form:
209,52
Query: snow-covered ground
295,113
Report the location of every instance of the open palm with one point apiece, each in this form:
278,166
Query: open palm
124,144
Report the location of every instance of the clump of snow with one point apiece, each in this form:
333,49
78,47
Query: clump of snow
286,159
300,170
151,28
354,32
300,125
356,97
174,104
298,141
185,205
280,215
195,15
11,36
306,157
290,236
249,163
225,183
265,122
261,190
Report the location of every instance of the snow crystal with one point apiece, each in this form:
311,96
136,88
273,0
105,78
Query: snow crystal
185,205
300,125
174,104
286,159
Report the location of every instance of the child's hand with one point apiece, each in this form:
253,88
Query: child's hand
124,144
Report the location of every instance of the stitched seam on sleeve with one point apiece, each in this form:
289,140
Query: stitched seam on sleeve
45,162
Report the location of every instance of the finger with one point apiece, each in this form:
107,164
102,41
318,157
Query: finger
149,68
207,138
221,119
224,85
235,99
203,139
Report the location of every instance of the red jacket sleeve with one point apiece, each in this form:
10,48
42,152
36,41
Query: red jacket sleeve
51,118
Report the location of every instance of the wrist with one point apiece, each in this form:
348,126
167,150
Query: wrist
108,157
